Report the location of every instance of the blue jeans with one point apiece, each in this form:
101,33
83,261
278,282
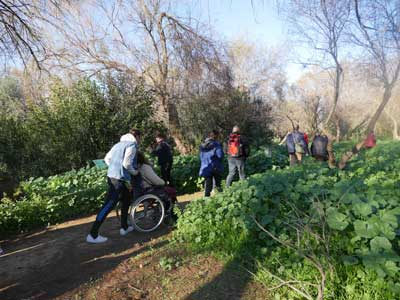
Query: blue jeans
117,191
235,164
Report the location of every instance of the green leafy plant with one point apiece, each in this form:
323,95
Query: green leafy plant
361,205
169,263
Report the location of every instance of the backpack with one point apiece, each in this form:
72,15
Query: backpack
370,141
235,147
319,146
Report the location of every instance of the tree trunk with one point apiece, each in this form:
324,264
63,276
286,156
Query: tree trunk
395,127
395,130
167,113
174,128
331,138
331,154
371,125
338,131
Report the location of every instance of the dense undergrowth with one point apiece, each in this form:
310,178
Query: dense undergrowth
315,225
322,233
51,200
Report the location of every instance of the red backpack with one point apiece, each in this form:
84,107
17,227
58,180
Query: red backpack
234,145
370,141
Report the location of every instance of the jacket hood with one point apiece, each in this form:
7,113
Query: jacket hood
128,138
208,144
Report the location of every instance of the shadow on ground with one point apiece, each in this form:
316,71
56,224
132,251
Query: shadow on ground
49,263
230,284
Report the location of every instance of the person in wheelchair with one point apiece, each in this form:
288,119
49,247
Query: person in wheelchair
153,184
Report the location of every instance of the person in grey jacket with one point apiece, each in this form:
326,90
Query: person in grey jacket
122,166
238,150
296,145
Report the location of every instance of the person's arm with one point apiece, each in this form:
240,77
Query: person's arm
129,162
225,147
107,159
284,140
219,152
246,147
157,150
150,176
303,143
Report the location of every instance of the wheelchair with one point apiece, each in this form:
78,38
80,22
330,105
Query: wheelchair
150,210
153,207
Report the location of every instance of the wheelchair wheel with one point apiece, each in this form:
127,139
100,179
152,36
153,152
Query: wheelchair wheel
147,213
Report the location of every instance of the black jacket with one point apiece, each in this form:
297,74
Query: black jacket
163,152
319,146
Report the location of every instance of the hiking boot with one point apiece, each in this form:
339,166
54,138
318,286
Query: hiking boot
125,231
100,239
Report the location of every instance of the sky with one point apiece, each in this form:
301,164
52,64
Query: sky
259,22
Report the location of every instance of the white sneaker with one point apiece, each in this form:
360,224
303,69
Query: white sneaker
100,239
125,232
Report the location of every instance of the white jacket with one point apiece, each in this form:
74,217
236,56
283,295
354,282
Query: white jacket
129,154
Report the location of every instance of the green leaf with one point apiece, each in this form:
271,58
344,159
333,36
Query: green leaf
336,220
388,217
350,198
380,243
391,268
362,209
365,230
386,230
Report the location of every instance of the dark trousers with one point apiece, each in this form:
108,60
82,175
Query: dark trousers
166,172
209,182
235,164
117,191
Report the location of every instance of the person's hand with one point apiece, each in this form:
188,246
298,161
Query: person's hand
128,185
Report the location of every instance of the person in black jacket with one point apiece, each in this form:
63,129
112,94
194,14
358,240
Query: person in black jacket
319,147
163,152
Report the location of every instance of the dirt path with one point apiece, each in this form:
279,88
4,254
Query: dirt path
49,263
171,273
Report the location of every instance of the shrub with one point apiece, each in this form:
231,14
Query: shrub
360,205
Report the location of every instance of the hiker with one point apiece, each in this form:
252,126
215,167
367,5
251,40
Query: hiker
122,179
370,141
150,179
296,146
237,149
211,168
319,147
163,152
306,140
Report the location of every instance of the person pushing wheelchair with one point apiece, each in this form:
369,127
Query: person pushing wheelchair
123,179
